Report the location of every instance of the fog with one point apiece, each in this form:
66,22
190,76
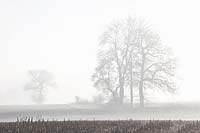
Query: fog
62,37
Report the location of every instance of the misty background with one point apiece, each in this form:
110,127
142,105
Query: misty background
62,37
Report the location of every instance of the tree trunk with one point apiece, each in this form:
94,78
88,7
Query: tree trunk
141,93
121,91
131,85
114,97
121,87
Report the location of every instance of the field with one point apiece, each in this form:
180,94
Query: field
97,126
168,118
89,112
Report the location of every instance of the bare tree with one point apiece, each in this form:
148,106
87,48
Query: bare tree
154,64
132,56
105,79
113,58
40,80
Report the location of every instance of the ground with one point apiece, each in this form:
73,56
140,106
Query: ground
189,111
96,126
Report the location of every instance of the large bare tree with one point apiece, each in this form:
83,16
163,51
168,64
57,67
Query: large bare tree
132,56
40,80
154,64
113,58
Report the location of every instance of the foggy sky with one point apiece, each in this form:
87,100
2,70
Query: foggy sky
61,36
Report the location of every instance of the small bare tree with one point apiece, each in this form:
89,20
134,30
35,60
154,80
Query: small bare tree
40,80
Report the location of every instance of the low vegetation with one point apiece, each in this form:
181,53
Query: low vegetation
96,126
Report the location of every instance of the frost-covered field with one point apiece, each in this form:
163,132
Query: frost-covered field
72,112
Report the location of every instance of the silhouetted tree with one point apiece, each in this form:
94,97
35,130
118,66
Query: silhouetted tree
154,64
111,71
40,80
131,55
105,80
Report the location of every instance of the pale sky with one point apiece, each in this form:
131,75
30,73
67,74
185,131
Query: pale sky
61,36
